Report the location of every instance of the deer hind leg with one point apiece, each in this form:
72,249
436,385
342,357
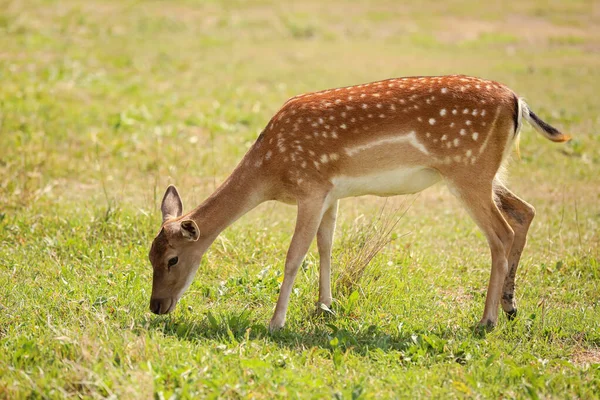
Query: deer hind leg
310,213
324,243
480,204
519,215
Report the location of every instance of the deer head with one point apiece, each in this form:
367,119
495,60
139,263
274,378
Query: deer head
175,254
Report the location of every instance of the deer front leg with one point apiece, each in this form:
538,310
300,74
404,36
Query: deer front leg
324,243
309,217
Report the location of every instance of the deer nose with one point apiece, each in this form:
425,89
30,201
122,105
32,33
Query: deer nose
155,305
162,306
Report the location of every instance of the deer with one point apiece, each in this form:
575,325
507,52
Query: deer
392,137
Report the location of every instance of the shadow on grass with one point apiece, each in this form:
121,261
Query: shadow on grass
321,333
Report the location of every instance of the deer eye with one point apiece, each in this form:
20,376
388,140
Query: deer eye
172,261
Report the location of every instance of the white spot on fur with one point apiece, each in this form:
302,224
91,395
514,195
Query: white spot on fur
468,122
456,142
463,132
444,137
475,135
443,112
324,158
444,90
431,121
364,106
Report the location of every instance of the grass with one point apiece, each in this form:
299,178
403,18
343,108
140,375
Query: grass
104,103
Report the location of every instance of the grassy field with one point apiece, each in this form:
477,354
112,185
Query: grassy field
104,103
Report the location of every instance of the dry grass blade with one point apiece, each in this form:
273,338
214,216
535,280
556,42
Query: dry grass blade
364,242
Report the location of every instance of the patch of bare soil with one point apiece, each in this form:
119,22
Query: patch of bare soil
586,357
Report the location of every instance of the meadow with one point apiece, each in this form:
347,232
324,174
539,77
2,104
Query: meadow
105,103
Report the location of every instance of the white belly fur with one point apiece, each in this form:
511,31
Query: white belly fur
404,180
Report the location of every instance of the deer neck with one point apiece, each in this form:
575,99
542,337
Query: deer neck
239,194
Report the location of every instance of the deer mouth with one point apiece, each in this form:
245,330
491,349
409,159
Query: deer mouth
162,306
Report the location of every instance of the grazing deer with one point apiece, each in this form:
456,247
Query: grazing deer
397,136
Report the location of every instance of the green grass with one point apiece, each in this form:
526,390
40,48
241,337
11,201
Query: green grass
104,103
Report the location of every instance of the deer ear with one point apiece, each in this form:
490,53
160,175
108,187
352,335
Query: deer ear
190,230
171,206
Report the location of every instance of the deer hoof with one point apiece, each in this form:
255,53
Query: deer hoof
486,324
511,314
275,326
